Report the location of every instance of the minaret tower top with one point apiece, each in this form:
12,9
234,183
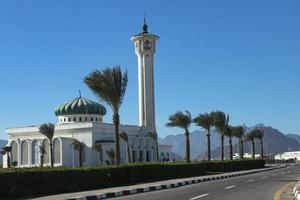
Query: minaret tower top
144,44
145,26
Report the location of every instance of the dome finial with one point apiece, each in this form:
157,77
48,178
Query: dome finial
145,26
79,93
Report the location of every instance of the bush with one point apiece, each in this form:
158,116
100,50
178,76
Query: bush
24,182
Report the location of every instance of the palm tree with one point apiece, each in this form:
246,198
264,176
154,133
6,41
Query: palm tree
124,136
109,85
205,121
42,153
239,132
153,136
229,134
98,147
221,121
111,154
79,146
48,131
182,120
259,134
251,138
6,150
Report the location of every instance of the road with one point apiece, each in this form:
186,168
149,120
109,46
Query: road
260,186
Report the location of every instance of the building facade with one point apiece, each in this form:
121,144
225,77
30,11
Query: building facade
82,119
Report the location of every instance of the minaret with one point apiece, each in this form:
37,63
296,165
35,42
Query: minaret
144,49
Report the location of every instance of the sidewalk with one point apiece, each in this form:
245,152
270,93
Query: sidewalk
139,188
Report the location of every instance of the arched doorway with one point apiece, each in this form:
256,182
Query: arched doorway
57,150
14,152
24,152
35,159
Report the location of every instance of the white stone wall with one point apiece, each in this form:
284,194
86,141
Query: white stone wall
87,132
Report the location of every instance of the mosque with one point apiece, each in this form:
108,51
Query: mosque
82,119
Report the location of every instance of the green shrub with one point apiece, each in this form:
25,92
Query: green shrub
24,182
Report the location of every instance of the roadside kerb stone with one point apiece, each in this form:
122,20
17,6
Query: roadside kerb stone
183,182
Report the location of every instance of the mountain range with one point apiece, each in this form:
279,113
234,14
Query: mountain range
274,142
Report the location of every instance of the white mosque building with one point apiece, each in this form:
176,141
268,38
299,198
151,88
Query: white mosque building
82,119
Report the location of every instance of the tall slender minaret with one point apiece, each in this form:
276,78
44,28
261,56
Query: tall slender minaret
144,49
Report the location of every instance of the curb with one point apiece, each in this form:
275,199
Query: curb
296,190
178,184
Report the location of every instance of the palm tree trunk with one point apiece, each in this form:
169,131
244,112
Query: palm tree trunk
187,146
253,150
261,149
42,160
128,152
230,148
208,145
157,154
116,120
8,160
241,148
101,159
222,146
51,154
80,157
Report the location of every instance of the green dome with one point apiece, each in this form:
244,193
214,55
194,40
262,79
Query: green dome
80,106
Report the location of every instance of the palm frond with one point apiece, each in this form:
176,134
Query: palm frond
124,136
153,135
259,133
204,120
180,119
98,147
109,85
47,130
251,135
111,153
238,131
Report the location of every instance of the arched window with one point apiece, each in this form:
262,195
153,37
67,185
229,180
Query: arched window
80,119
92,119
96,119
69,119
56,150
85,119
24,152
74,119
35,159
64,119
46,157
14,151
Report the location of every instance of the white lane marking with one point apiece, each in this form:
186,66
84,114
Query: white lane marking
274,175
229,187
249,181
264,177
200,196
282,173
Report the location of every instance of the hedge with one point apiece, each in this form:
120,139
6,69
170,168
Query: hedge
25,182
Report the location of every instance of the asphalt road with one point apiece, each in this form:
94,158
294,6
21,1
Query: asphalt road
260,186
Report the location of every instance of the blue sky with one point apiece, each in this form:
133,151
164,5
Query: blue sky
241,57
